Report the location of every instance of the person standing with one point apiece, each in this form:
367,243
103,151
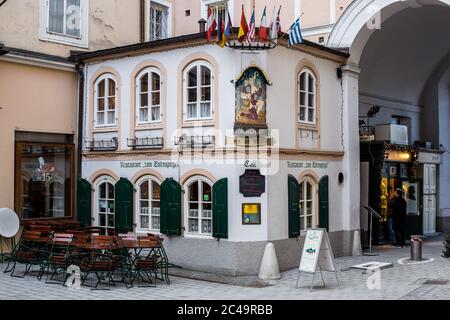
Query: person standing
399,217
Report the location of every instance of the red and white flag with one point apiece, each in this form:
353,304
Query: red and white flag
263,28
275,26
251,28
211,25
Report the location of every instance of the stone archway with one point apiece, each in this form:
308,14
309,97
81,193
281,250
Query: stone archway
403,67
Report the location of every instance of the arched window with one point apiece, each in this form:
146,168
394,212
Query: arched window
307,96
148,204
105,203
308,203
198,91
105,101
199,206
148,93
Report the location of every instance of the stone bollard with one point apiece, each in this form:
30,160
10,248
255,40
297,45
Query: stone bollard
269,269
356,250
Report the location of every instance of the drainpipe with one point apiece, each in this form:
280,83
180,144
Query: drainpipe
142,21
80,69
3,51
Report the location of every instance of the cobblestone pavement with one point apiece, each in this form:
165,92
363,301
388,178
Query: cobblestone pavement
420,281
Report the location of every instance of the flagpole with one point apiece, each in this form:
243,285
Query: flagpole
287,32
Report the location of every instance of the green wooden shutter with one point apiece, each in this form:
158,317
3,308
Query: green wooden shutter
124,205
293,207
220,209
323,203
170,214
84,194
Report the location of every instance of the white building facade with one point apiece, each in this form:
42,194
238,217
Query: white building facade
220,150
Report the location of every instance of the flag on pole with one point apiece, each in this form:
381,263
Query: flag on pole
210,24
263,28
225,29
251,28
228,26
279,23
273,27
243,28
221,30
295,34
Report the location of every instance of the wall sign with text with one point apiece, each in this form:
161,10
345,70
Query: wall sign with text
251,213
252,183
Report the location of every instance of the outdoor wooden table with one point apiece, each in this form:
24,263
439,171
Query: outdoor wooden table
155,248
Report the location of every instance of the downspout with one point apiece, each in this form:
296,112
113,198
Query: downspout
142,21
80,70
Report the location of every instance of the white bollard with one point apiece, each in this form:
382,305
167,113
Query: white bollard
269,266
357,250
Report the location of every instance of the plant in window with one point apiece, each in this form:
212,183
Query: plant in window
200,208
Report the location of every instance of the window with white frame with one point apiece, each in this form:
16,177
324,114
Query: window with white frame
307,97
307,204
149,96
217,7
105,204
105,101
199,206
64,21
148,204
159,21
198,91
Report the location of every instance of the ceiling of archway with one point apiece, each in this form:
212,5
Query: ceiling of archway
398,59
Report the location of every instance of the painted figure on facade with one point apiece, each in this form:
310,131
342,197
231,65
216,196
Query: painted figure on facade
251,97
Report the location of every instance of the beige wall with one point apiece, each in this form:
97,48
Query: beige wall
32,99
117,22
315,13
182,23
111,23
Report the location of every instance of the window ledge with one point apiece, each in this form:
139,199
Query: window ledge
198,236
141,231
196,123
308,126
65,40
148,126
105,129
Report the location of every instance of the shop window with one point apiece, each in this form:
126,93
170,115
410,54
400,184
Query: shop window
159,17
198,91
307,85
307,199
105,101
64,21
105,204
148,204
44,174
199,207
149,96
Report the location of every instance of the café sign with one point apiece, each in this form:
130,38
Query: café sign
148,164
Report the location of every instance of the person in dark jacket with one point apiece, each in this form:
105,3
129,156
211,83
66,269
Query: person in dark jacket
399,217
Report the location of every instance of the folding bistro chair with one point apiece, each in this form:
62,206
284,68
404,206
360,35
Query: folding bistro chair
30,251
60,257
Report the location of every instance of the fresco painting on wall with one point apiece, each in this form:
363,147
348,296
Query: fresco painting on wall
251,97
